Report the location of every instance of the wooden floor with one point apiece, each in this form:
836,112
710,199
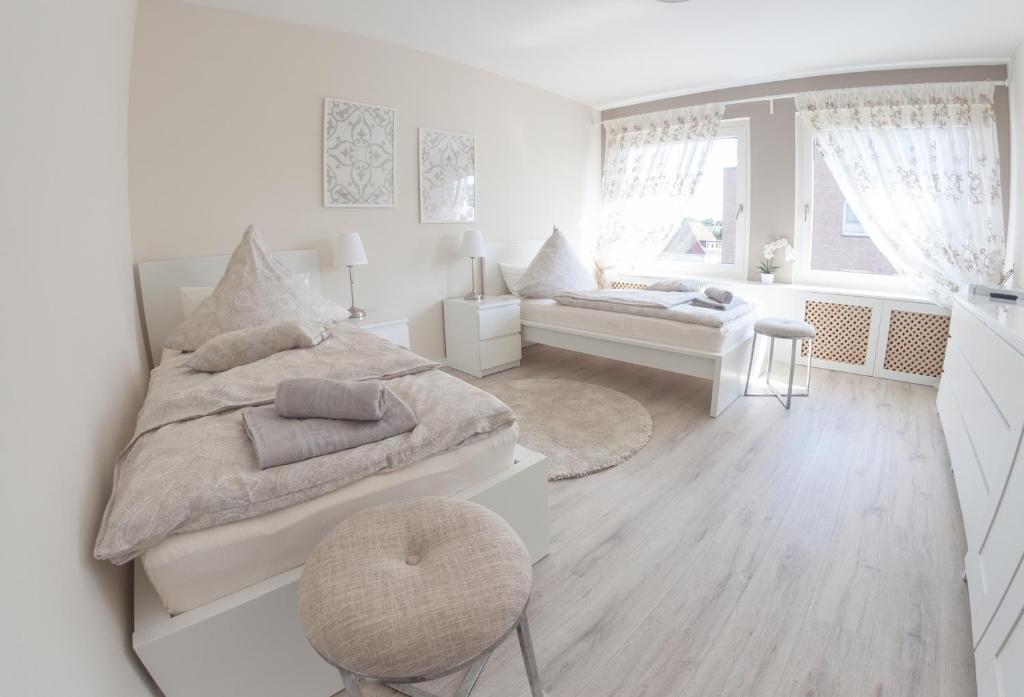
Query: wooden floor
766,553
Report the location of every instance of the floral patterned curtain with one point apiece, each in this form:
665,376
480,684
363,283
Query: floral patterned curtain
652,165
919,166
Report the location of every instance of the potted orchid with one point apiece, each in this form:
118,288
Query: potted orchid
768,267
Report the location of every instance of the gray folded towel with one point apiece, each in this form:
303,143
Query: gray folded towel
719,295
701,301
312,398
281,441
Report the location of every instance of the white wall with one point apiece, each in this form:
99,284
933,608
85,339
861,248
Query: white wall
1016,188
225,129
72,364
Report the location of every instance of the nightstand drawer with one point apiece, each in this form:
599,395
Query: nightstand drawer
495,352
499,321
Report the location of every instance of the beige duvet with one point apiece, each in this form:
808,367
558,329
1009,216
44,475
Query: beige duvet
190,465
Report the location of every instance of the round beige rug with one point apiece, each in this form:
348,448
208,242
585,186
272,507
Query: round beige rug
581,428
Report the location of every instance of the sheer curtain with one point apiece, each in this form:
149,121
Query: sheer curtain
652,165
919,165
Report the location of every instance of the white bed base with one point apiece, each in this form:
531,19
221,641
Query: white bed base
726,370
251,642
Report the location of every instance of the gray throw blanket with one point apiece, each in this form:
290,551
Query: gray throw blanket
281,441
312,398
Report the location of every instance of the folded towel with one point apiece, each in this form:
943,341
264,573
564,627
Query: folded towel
678,285
281,441
312,398
705,302
719,295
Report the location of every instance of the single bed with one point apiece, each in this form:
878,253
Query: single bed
720,354
215,608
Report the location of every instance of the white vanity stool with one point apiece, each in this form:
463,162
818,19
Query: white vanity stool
781,328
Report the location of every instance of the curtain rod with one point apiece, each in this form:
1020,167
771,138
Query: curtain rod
770,98
791,95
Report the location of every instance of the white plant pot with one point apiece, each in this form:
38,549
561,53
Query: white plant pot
767,278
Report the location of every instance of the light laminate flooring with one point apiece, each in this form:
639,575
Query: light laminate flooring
809,553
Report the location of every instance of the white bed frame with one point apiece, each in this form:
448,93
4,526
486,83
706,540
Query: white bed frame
727,370
251,642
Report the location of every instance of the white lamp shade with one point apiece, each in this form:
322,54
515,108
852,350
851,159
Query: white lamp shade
472,244
348,251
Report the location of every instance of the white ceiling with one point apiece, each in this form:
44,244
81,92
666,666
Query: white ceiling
608,52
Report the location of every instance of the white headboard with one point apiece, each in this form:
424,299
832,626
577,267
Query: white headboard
159,282
512,251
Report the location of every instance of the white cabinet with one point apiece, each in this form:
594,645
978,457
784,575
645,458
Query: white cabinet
391,327
483,337
981,406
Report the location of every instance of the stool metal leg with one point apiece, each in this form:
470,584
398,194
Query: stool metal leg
351,683
529,660
750,368
810,360
792,371
469,682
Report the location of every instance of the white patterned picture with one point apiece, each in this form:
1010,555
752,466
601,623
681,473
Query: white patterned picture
359,154
447,177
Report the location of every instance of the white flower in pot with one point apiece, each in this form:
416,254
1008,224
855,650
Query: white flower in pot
768,266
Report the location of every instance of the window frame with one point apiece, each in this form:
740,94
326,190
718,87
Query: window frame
803,233
730,128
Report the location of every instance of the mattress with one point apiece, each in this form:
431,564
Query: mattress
695,337
194,568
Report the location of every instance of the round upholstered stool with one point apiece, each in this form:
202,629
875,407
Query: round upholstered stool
782,328
415,590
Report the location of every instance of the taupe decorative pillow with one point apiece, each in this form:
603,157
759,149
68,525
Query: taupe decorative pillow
680,285
555,270
256,289
245,346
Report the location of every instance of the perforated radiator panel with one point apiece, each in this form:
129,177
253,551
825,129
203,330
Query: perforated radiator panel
843,331
916,343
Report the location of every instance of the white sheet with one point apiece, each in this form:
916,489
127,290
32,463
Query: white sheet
660,331
194,568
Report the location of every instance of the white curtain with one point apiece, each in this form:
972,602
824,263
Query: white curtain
919,166
652,165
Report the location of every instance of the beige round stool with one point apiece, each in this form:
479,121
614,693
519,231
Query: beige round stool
415,590
782,328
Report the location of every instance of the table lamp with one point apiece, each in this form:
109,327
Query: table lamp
350,252
473,247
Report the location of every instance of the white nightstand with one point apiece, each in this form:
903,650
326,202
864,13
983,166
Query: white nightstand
483,337
392,327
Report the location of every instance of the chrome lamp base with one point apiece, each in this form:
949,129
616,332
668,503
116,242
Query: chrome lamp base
356,313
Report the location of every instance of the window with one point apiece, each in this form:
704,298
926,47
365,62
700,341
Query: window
712,235
851,223
832,246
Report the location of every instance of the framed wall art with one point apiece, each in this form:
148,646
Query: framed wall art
359,154
447,177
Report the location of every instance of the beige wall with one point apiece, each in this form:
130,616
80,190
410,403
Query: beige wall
225,129
1016,188
73,369
773,137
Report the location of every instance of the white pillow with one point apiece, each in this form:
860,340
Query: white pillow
189,297
512,273
555,270
256,289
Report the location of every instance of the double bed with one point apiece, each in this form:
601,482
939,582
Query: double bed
719,354
215,598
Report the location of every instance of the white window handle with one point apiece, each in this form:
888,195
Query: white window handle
807,211
739,211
